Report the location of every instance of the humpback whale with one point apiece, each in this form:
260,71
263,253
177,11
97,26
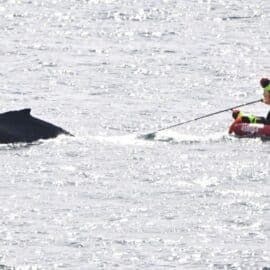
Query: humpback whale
21,126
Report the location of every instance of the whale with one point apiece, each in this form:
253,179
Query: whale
20,126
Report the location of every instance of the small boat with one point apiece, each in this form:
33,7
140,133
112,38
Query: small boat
247,130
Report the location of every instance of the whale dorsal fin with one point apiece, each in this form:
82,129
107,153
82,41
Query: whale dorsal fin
25,112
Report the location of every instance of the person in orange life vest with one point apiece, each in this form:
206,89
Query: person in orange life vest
248,118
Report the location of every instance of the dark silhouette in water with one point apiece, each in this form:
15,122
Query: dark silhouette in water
20,126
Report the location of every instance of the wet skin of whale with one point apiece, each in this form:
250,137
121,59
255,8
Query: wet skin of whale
20,126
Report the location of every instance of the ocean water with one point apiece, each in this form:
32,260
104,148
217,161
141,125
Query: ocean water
108,71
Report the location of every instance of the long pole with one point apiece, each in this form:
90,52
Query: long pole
151,135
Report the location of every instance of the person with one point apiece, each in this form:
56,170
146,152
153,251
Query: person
241,117
265,84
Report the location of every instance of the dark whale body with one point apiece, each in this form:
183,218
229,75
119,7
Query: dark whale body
20,126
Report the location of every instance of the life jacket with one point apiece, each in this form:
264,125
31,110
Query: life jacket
244,117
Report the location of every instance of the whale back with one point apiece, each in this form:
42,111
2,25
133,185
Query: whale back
21,126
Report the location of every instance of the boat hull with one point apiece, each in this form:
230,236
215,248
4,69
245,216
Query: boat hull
251,130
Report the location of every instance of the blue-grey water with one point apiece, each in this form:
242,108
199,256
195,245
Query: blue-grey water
108,70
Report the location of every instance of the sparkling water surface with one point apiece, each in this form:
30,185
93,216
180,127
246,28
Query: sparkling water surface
107,71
